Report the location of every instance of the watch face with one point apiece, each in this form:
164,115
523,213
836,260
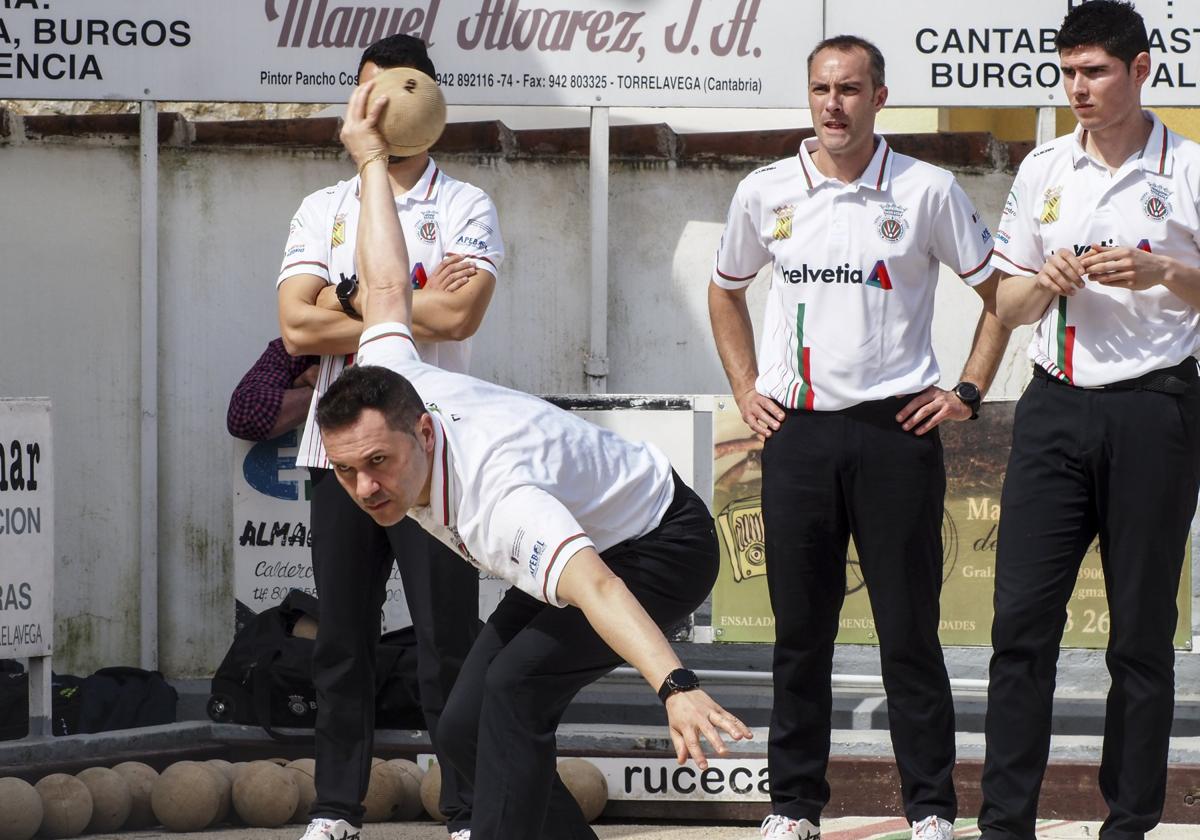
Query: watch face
683,680
967,391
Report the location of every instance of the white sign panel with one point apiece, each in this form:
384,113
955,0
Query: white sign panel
665,780
26,530
703,53
948,53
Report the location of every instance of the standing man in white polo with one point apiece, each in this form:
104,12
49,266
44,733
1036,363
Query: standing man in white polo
844,392
601,541
454,238
1099,245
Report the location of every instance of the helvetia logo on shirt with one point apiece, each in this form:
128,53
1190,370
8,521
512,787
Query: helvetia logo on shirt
878,277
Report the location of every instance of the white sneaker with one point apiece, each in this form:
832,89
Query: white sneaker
778,827
322,829
461,834
933,828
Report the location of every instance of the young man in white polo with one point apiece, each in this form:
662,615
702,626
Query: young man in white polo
454,238
844,391
1099,245
602,542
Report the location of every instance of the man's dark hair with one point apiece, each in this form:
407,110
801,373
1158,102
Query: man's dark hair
846,43
370,386
398,51
1112,25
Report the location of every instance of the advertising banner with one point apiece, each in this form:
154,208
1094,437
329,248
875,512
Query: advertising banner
947,53
26,530
699,53
975,456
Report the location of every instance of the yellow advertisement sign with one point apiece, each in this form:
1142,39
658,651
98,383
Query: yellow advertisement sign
975,455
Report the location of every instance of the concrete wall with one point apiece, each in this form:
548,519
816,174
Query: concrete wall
69,230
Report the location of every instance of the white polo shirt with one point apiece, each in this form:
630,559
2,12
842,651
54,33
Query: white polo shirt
519,486
439,216
1062,198
854,267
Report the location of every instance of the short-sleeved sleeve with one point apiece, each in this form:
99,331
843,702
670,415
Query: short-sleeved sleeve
1018,240
475,232
741,253
388,345
307,249
539,535
960,239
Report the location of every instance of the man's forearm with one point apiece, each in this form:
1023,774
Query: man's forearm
734,336
1184,282
293,410
1020,300
314,331
381,251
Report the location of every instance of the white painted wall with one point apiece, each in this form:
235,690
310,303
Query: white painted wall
68,329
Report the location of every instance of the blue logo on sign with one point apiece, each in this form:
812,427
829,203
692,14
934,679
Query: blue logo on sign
264,462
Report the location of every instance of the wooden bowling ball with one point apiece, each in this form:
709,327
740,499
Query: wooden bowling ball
186,797
409,775
20,809
431,792
66,805
140,778
586,783
265,794
112,799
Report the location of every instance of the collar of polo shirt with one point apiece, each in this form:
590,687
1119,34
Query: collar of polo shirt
1156,157
876,176
424,190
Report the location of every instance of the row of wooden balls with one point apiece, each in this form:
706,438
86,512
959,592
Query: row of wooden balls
194,795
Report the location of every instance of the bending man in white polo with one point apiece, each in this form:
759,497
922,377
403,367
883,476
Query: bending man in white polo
845,393
573,516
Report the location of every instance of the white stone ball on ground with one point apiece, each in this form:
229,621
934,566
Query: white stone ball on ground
410,775
111,799
140,778
186,797
20,809
66,805
265,794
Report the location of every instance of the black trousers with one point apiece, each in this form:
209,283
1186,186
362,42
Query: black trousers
1124,466
352,561
531,659
827,476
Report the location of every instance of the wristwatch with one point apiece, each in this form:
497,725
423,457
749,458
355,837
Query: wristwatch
345,290
968,392
681,679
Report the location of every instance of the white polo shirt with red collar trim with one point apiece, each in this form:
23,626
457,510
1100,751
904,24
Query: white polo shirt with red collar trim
439,216
518,485
854,267
1063,198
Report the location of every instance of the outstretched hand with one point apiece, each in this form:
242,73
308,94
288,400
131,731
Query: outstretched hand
691,714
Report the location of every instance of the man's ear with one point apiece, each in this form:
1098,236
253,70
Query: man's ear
1139,68
425,433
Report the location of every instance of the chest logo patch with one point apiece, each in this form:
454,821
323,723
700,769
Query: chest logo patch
1051,205
338,237
1157,203
427,228
891,226
783,221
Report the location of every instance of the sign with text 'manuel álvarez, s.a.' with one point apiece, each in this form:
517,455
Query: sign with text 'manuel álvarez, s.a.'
26,530
700,53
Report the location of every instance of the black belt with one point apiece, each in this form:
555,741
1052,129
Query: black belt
1173,380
